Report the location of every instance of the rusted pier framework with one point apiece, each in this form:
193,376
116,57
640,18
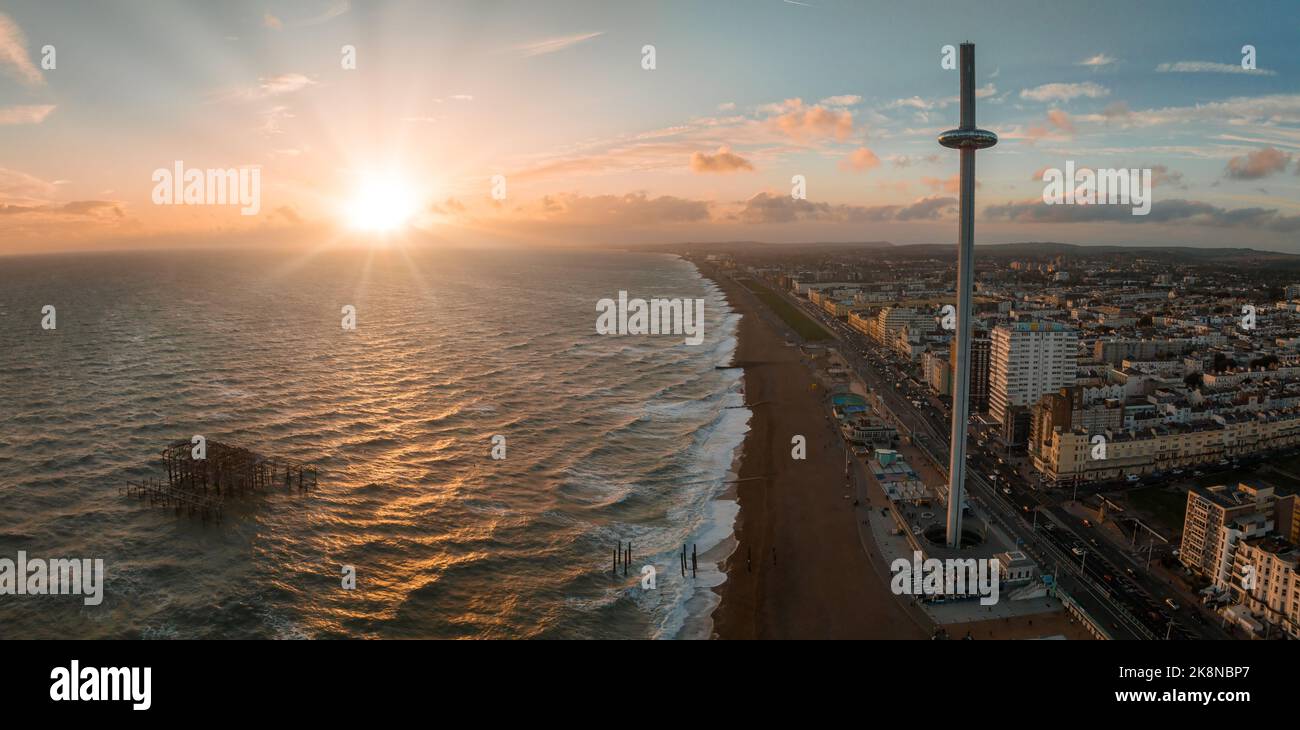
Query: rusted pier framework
200,486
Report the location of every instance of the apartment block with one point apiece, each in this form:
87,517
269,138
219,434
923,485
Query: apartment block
1209,510
1266,581
1027,361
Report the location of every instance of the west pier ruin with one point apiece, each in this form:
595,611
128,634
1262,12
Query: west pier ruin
201,486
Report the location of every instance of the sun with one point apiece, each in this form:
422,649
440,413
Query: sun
381,205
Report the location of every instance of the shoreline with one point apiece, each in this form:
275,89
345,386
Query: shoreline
796,568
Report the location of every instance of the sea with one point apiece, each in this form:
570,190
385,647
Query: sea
609,440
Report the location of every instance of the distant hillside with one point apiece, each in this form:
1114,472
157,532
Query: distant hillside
1048,249
1026,249
753,246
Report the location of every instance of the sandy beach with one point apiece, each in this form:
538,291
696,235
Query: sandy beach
798,570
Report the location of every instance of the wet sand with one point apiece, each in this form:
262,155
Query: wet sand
798,570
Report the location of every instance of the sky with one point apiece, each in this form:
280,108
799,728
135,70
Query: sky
545,122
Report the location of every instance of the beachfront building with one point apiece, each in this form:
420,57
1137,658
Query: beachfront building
883,327
866,432
896,477
1266,581
1015,567
1068,457
938,371
1205,549
1028,360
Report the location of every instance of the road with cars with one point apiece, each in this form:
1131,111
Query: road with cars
1110,583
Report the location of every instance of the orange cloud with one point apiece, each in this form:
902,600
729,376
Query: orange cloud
1061,121
13,54
1257,164
812,122
861,160
946,184
28,114
723,161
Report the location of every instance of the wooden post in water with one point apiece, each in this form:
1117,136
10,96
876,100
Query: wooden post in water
695,559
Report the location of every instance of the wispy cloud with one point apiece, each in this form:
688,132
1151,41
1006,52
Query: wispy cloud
30,114
1210,67
19,187
631,209
272,22
267,87
767,208
1097,61
13,53
88,208
841,101
1064,92
1177,211
552,45
335,9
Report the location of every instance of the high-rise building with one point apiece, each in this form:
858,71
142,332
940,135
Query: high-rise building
979,368
1027,360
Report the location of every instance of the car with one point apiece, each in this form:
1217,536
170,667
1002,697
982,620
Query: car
1006,490
1132,478
1170,603
1077,550
1087,523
